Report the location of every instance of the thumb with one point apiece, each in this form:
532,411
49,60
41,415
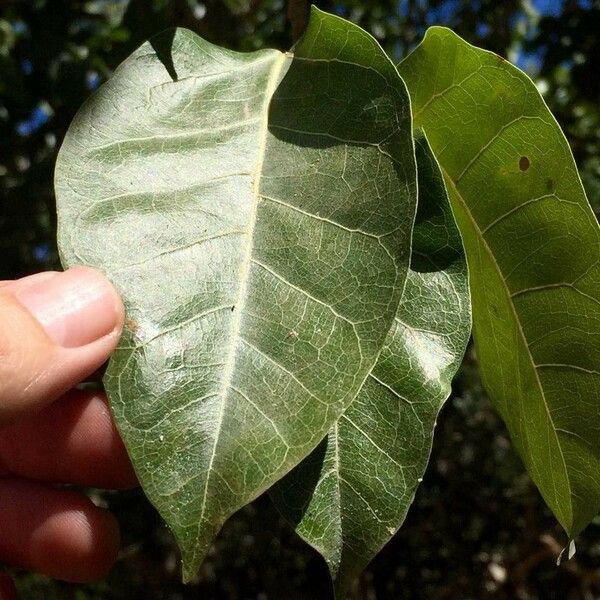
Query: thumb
56,329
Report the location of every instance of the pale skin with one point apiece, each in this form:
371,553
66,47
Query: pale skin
57,330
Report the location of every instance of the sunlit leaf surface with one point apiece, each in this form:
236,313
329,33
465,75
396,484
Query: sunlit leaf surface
255,213
352,493
533,249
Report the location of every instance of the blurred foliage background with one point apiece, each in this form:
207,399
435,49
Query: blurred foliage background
478,528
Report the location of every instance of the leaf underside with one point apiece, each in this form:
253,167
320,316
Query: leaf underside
533,250
254,211
352,493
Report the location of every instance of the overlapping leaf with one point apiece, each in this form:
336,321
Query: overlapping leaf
533,249
351,494
255,213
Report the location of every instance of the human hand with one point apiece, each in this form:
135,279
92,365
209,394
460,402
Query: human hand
57,329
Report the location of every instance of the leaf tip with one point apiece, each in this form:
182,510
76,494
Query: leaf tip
190,566
567,553
193,552
439,30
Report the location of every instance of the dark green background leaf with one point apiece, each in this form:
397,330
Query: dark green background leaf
352,493
255,213
533,249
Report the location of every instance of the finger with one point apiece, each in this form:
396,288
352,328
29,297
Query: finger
73,440
98,374
25,282
57,328
7,588
55,532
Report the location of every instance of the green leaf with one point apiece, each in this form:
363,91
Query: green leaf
350,496
533,249
255,213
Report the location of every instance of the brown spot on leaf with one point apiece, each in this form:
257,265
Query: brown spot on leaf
131,325
292,335
524,163
550,185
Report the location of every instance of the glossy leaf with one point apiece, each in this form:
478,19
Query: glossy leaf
255,213
350,496
533,249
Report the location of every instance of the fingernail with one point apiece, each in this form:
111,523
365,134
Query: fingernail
75,308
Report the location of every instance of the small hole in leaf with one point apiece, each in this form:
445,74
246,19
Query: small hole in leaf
524,163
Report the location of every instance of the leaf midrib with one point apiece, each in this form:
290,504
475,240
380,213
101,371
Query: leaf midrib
244,271
492,257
